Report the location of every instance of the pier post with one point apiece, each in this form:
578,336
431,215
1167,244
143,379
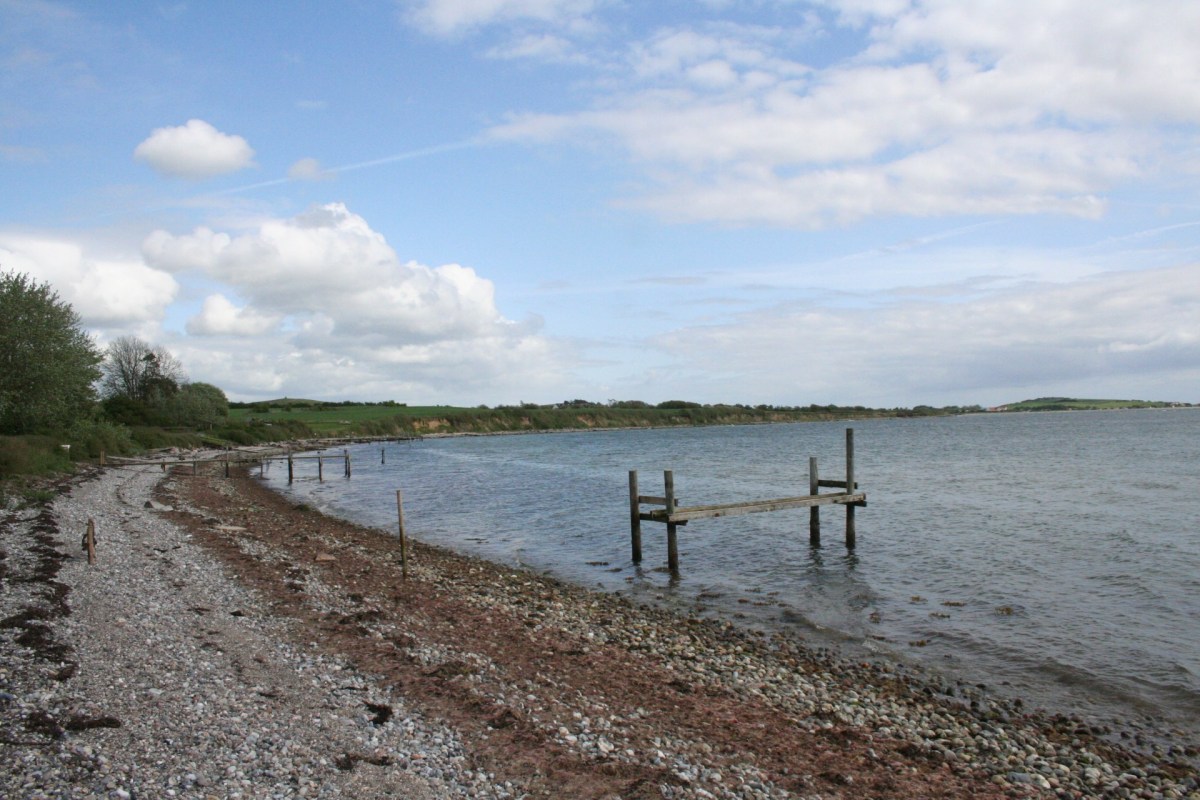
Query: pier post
635,518
383,455
346,453
814,513
403,538
850,487
672,539
320,467
290,468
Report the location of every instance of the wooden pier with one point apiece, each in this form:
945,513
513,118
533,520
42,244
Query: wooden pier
675,515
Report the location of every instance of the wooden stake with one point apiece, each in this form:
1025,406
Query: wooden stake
814,513
346,453
383,455
90,540
851,534
672,539
403,539
635,518
320,467
289,467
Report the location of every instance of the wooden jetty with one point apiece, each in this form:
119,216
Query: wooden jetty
675,515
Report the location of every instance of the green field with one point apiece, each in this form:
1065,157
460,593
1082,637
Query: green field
1075,404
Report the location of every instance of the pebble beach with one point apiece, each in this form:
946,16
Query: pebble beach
230,644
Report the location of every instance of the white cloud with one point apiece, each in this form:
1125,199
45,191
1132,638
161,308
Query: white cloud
221,317
449,17
113,291
952,108
343,315
194,150
308,169
1120,328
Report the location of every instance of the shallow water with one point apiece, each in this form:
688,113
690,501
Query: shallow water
1053,556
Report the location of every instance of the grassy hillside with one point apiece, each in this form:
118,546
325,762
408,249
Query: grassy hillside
1074,404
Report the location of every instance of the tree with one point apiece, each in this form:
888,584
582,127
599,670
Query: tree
140,372
47,363
197,405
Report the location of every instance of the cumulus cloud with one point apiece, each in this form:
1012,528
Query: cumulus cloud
332,300
220,317
105,291
194,150
308,169
950,108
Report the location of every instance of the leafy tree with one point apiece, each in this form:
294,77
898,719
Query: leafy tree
47,363
197,405
140,372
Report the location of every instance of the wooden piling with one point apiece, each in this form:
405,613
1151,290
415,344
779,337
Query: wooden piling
672,538
291,473
346,453
89,540
851,533
383,455
321,467
814,513
403,538
635,518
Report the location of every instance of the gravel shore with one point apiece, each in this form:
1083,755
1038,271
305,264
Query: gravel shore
228,644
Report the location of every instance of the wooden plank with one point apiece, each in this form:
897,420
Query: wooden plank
653,499
758,507
830,484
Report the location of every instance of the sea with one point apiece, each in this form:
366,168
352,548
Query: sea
1052,557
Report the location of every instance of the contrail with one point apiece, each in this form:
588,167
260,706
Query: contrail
375,162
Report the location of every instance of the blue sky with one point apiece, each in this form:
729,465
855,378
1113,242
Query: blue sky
877,202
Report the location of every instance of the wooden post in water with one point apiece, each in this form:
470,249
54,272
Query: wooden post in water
672,539
814,513
89,540
346,453
635,519
290,467
383,455
321,467
403,539
850,487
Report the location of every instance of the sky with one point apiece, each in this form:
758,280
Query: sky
862,202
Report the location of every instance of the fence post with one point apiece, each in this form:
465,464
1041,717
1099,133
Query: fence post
320,467
347,454
89,540
635,518
672,539
851,534
403,538
814,513
290,468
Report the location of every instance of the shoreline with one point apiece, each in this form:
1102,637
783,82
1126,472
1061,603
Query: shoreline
554,690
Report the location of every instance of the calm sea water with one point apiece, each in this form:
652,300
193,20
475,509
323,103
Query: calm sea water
1053,556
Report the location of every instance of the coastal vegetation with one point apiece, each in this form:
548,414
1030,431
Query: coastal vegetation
1074,404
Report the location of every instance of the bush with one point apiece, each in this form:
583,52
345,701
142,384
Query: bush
32,455
89,439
